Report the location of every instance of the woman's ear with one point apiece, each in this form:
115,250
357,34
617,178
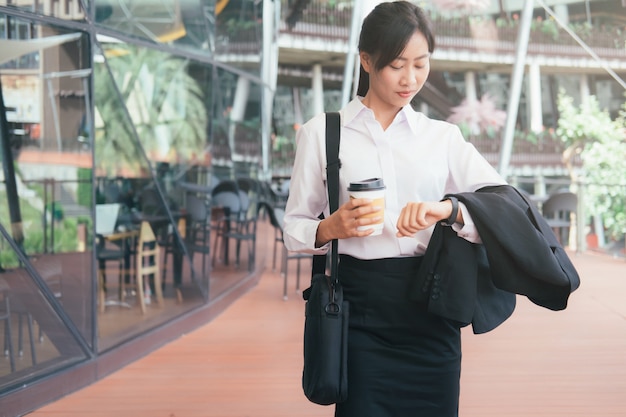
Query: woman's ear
366,61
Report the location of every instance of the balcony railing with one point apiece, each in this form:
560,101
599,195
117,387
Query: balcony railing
534,150
327,21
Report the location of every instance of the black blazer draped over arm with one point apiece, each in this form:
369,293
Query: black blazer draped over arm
519,254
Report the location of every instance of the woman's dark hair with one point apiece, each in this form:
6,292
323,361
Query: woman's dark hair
387,30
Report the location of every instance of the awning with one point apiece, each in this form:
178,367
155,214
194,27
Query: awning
11,49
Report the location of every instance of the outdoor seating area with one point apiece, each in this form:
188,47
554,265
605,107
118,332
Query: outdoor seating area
215,225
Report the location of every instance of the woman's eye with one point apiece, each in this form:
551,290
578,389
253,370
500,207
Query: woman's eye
396,67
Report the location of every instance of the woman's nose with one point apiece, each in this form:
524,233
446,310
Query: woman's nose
408,77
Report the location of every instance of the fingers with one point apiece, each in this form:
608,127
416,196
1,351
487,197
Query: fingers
353,218
413,218
407,222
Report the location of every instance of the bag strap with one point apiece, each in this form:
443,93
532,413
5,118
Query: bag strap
333,164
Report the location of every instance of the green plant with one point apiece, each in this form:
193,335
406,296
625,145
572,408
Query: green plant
589,131
550,27
168,117
84,190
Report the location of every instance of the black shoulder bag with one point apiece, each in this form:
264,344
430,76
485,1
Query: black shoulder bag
325,375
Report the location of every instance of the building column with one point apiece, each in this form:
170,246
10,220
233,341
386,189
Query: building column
585,92
238,112
269,75
318,89
534,94
470,86
540,185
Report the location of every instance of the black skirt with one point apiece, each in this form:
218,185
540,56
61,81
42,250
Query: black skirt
402,361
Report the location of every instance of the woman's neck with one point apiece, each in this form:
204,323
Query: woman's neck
382,113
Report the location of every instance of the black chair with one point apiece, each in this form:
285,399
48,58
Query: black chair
119,251
105,254
274,197
245,230
11,306
226,213
276,215
167,239
5,316
250,196
557,210
199,229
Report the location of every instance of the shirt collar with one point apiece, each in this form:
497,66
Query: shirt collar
409,115
355,109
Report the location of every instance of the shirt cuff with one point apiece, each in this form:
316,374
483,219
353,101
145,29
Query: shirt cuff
302,238
467,230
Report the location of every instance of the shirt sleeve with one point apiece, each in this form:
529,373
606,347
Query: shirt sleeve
307,190
469,170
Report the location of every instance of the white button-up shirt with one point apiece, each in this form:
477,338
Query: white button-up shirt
419,159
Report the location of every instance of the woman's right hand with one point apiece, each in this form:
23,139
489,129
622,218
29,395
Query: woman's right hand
344,222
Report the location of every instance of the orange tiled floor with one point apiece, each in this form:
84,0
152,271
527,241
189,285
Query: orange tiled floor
247,362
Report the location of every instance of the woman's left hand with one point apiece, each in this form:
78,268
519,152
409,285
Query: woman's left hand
419,216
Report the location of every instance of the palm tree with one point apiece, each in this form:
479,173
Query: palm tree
165,105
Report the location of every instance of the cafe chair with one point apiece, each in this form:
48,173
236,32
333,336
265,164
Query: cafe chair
171,246
24,315
244,230
558,210
199,230
104,254
226,211
276,215
272,196
5,318
11,307
148,275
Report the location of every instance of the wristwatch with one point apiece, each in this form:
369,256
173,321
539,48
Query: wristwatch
455,211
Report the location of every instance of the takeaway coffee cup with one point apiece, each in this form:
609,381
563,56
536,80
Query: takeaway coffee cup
374,189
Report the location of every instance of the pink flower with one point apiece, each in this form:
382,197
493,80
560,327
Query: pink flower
478,115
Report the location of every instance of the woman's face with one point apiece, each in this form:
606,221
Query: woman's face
396,84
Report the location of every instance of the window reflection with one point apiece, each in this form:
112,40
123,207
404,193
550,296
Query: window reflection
186,23
142,99
239,34
51,208
66,10
35,339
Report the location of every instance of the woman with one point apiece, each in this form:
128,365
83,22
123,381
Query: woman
402,361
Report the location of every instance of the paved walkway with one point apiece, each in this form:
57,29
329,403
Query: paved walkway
248,361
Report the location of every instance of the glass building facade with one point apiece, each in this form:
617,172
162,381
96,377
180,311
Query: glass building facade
122,119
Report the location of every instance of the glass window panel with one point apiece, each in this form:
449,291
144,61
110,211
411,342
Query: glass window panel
53,166
184,23
239,34
236,126
36,340
152,157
